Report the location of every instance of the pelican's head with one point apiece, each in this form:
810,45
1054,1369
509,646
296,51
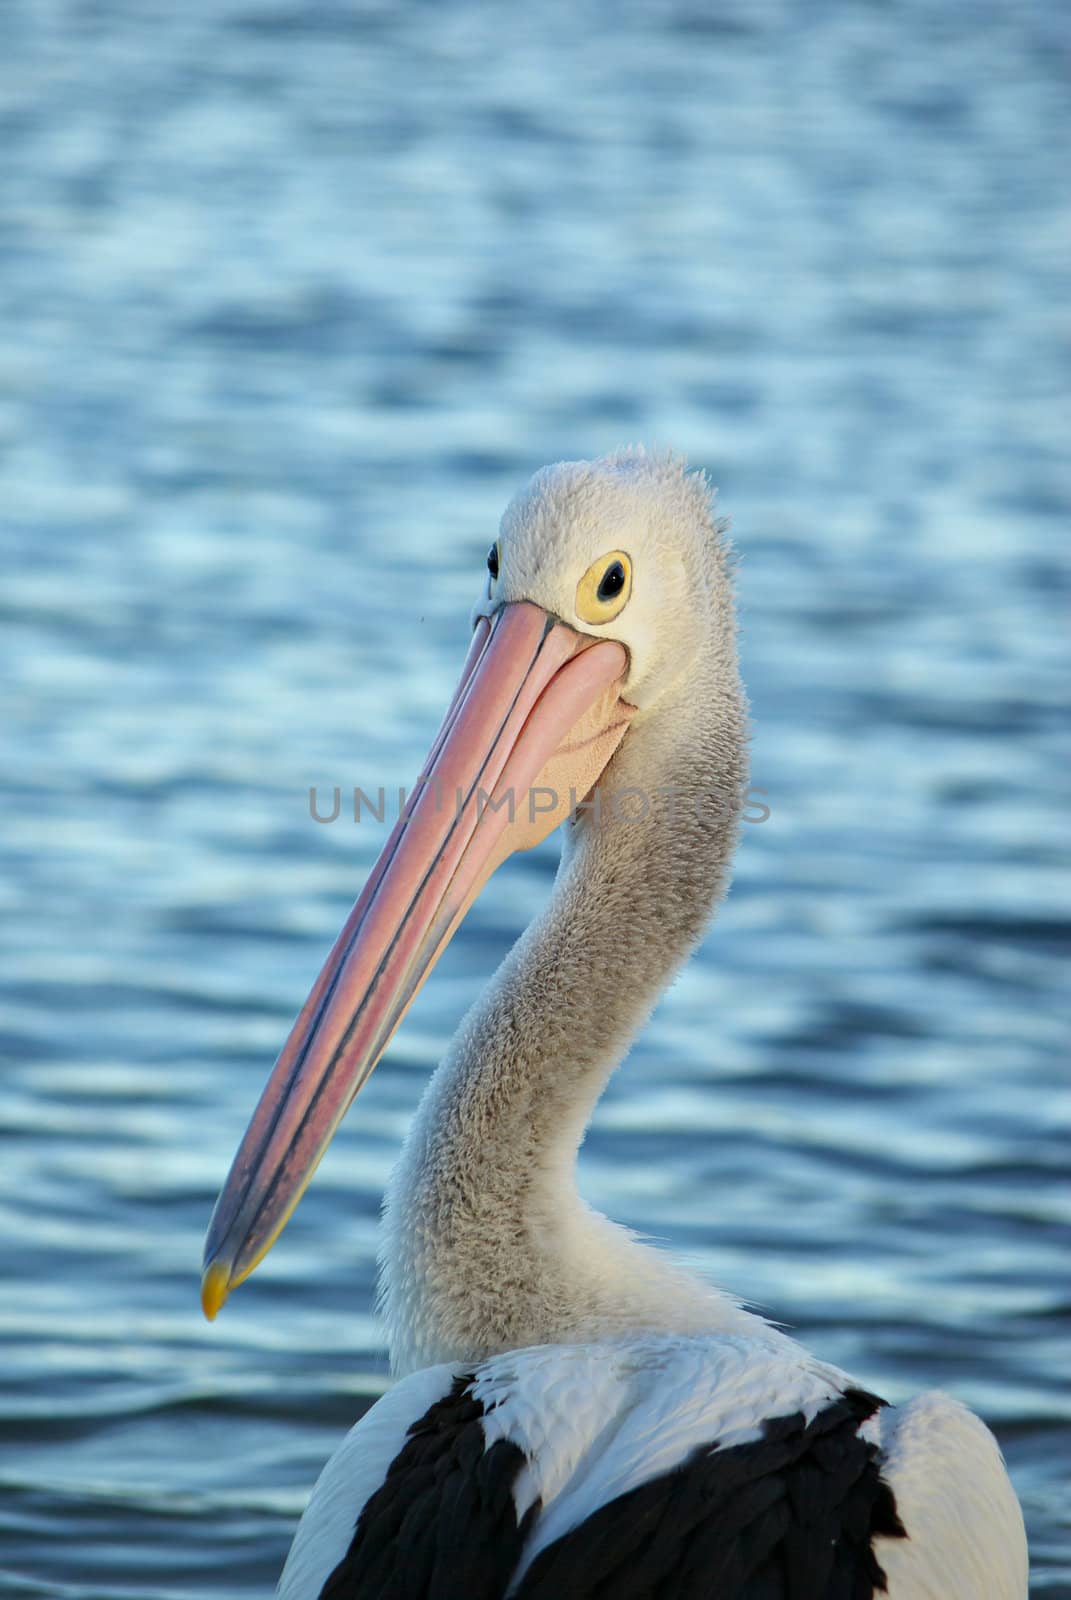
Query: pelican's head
602,588
624,548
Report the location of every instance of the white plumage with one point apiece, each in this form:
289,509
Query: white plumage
555,1373
597,1420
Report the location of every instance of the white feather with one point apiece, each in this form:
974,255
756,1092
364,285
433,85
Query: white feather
598,1420
966,1539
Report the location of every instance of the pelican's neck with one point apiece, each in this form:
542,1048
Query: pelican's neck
487,1245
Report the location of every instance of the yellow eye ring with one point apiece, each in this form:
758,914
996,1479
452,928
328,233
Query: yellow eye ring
603,592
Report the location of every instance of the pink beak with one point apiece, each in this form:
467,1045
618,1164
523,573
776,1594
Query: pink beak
537,704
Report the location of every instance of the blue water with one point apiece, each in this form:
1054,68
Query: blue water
291,299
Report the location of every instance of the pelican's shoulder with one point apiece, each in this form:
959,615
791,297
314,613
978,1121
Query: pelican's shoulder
660,1461
664,1393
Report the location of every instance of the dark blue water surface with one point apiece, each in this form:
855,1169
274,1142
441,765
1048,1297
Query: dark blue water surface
293,297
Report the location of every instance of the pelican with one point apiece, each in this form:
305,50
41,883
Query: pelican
575,1415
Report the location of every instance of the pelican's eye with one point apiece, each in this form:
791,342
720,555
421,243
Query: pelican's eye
492,563
603,591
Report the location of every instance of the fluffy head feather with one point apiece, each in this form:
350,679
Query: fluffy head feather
661,515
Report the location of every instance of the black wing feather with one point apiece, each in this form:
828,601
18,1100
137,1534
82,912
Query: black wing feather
792,1516
442,1525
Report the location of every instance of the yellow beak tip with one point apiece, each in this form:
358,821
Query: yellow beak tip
215,1285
